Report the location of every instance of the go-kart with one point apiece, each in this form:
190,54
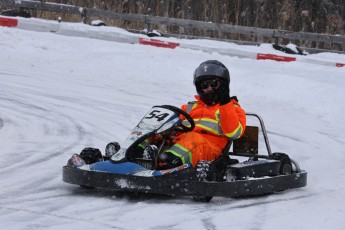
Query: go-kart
121,170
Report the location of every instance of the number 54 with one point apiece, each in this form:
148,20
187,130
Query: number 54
157,114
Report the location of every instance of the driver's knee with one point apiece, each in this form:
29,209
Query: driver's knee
168,160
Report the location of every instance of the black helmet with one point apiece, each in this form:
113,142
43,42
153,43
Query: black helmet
210,70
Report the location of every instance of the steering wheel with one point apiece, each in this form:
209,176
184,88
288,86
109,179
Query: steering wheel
181,128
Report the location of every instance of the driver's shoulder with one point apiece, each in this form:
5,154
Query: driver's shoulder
189,106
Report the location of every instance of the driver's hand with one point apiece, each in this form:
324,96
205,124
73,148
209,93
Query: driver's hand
157,138
174,134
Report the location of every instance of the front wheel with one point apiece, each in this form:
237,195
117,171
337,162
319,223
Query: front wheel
91,155
86,187
111,149
204,199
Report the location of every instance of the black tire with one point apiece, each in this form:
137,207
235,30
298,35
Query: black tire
204,199
16,13
231,175
285,163
112,148
91,155
134,195
86,187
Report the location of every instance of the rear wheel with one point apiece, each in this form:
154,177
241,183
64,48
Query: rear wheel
231,175
285,163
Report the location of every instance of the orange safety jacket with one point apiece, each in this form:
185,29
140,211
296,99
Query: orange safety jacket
216,124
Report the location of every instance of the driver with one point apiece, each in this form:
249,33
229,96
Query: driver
218,119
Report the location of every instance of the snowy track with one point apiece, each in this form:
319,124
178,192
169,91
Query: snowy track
61,94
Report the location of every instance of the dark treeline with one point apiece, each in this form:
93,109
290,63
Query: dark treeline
319,16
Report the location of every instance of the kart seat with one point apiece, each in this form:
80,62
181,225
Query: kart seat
247,143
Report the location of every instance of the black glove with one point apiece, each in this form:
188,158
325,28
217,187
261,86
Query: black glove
234,98
223,93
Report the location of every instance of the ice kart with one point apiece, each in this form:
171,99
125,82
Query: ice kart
118,169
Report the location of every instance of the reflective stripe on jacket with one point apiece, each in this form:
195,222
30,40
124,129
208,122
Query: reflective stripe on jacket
217,123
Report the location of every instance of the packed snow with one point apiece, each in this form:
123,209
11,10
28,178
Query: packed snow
60,94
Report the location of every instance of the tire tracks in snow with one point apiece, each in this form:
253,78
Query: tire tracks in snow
1,123
23,113
259,216
65,217
37,135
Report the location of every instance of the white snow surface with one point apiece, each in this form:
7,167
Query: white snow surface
60,94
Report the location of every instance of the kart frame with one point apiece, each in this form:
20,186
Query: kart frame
184,182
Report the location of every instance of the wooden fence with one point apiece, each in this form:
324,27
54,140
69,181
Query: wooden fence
191,28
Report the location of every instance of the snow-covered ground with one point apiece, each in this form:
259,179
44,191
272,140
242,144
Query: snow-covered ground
60,94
